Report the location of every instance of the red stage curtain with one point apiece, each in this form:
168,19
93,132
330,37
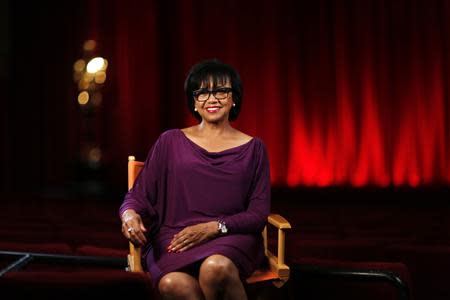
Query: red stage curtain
342,92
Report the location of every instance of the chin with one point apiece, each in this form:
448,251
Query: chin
215,119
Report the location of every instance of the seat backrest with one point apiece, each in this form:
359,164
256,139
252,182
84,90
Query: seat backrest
134,167
134,259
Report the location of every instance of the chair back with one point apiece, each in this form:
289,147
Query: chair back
134,258
134,167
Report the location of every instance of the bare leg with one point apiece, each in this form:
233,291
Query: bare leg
179,285
219,279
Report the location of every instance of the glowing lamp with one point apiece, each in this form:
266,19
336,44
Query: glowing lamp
96,64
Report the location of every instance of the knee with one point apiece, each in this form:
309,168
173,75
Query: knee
171,286
218,270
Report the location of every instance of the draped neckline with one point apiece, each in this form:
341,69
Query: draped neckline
218,153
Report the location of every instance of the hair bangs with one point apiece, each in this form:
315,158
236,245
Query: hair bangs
212,79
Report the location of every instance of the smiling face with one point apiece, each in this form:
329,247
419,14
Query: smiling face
214,102
213,90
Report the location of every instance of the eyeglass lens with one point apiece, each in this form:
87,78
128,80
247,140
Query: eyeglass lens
219,94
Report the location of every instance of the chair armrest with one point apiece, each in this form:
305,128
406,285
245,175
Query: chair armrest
278,221
276,263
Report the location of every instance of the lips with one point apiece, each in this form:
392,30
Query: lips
212,109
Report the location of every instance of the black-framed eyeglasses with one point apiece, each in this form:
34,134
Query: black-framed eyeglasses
202,95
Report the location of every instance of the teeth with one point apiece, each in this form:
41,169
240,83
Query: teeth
212,109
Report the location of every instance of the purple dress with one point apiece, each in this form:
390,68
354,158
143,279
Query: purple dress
182,184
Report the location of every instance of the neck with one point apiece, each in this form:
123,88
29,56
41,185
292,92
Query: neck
214,129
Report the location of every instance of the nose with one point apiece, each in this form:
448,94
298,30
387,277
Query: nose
212,98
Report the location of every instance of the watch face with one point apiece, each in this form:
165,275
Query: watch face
223,228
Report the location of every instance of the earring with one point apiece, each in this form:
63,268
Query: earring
195,108
234,104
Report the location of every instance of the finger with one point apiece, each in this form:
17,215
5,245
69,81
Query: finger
180,234
141,237
185,231
183,244
125,231
137,234
138,229
181,241
187,246
176,240
134,239
129,231
175,244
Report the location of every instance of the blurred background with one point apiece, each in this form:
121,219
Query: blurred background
342,92
350,97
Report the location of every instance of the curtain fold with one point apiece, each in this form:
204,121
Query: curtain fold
342,92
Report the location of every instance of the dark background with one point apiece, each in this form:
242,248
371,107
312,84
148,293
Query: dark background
350,97
344,93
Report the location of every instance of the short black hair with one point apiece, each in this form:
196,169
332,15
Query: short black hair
219,73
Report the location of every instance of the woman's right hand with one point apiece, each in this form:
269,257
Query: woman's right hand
133,228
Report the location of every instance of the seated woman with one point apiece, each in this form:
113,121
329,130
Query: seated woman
203,197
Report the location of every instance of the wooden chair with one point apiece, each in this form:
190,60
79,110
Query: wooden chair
278,271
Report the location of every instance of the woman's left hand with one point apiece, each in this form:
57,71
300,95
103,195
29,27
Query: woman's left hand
192,235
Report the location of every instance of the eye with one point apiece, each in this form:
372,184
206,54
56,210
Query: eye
200,92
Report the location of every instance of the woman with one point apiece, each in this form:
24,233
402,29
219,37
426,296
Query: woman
202,199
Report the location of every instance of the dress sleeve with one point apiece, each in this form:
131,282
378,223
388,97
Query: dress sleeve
254,218
143,195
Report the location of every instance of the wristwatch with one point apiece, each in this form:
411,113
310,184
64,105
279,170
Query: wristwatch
221,227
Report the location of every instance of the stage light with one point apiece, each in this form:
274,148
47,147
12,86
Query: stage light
89,74
100,77
95,155
88,77
83,98
96,64
79,65
89,45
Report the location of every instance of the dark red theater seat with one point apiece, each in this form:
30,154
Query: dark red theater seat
342,249
429,266
54,248
90,235
318,285
102,251
96,284
31,232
